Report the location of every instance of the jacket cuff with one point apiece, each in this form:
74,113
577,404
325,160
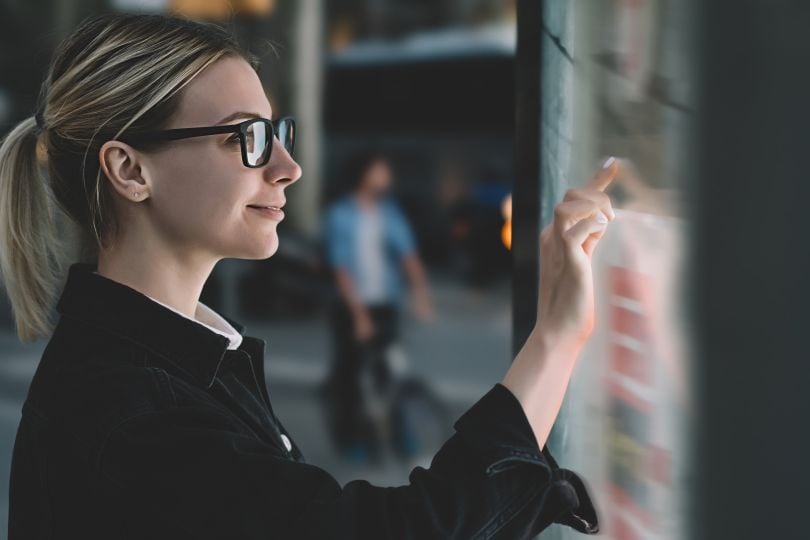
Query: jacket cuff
498,431
581,514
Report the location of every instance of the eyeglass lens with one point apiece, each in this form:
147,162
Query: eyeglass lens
258,143
286,134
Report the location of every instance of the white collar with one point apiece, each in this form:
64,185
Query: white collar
212,320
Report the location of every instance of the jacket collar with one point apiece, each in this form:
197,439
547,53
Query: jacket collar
121,310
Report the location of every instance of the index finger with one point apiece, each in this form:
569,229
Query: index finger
605,175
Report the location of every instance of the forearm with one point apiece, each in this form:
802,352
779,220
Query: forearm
538,377
347,291
415,273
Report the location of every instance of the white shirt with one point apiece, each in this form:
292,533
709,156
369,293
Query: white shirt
370,254
212,320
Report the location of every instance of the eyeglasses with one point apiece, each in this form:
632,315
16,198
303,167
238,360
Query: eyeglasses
255,137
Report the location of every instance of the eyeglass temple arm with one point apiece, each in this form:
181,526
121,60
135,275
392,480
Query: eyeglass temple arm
181,133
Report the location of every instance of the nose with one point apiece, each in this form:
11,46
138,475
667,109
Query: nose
282,168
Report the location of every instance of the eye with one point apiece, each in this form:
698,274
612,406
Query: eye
233,138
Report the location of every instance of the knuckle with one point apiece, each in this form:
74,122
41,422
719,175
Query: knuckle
568,235
603,198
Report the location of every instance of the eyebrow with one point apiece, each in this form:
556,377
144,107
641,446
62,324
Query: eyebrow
239,114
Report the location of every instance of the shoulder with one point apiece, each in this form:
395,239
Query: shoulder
86,387
340,211
391,207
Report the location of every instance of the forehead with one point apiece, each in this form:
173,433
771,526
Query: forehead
226,86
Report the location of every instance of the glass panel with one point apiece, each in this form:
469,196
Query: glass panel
618,80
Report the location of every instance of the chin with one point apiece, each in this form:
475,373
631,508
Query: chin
268,249
260,248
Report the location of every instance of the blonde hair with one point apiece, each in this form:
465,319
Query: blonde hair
114,74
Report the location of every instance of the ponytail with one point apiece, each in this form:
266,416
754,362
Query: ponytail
30,250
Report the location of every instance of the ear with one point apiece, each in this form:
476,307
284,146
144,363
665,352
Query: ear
124,168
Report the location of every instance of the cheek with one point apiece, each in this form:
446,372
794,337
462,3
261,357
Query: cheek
202,195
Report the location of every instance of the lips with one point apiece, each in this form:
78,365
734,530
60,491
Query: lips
270,211
276,206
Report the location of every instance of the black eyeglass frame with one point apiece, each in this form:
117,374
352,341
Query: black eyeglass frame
241,128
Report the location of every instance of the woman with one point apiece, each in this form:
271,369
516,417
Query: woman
148,416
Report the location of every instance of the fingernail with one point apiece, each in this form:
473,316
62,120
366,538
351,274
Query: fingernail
601,218
608,162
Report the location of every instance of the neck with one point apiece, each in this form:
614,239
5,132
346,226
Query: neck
154,269
365,198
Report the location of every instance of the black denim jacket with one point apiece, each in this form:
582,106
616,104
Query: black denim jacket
140,423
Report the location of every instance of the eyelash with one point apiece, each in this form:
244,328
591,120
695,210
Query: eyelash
233,138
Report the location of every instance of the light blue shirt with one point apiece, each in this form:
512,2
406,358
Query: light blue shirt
340,234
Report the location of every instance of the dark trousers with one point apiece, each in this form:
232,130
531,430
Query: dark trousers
350,422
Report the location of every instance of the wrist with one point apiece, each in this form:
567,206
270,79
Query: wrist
557,346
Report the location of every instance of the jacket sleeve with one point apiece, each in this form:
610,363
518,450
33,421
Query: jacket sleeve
401,235
195,470
337,236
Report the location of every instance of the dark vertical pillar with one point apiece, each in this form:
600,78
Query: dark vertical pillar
526,194
752,270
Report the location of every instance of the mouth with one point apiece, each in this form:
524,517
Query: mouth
271,207
270,211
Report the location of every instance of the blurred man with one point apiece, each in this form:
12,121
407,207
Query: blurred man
369,244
